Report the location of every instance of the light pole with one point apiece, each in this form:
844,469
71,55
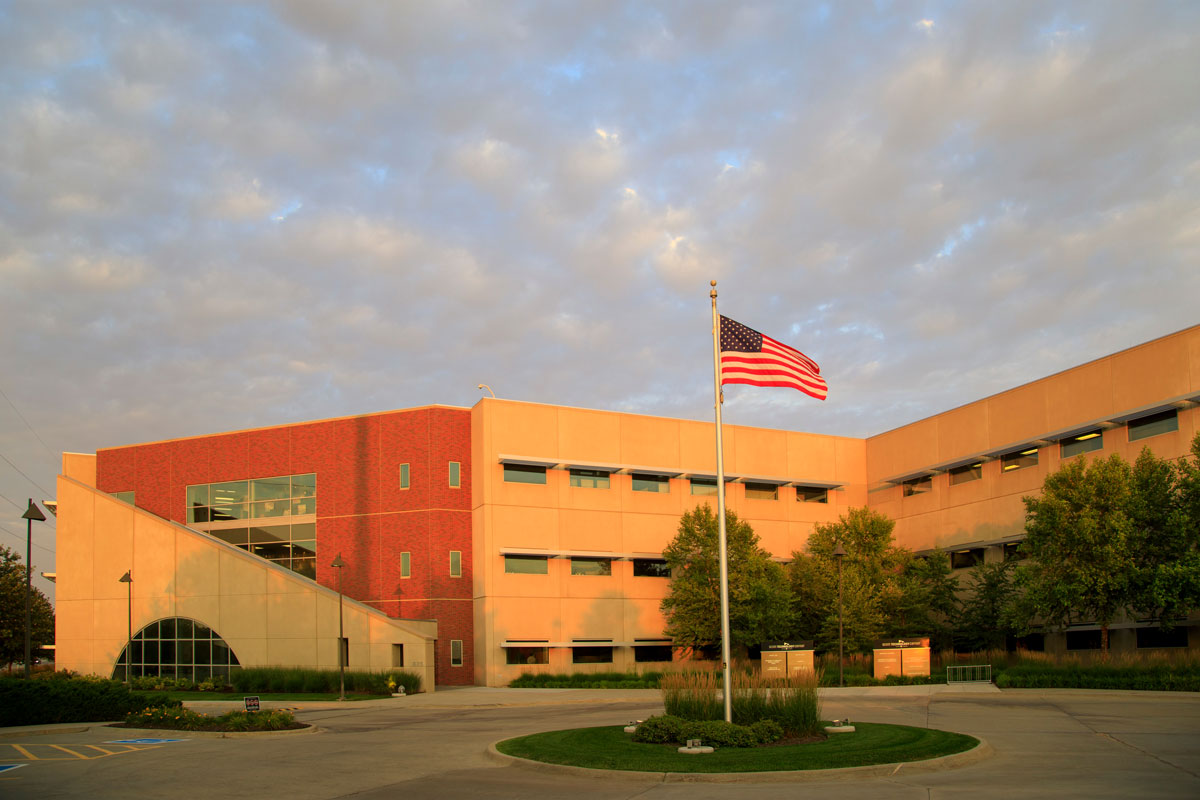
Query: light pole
338,563
31,513
127,579
485,386
839,553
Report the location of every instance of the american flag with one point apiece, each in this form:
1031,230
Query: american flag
749,357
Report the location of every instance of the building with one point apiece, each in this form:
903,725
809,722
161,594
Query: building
480,543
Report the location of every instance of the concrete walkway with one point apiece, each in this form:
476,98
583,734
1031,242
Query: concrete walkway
1065,743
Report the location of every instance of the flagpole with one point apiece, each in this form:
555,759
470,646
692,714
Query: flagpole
726,684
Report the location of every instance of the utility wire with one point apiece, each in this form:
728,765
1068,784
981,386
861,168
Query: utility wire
53,458
31,480
22,538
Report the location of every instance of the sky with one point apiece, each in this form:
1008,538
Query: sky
216,216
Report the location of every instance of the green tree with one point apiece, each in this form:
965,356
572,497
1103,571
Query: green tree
759,594
1081,538
12,611
886,590
986,620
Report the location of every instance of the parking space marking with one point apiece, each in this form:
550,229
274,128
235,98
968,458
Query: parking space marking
57,752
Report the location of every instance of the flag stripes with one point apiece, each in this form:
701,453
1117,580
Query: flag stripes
749,357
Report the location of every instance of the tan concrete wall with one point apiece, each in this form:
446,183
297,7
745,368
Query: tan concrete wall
560,607
269,615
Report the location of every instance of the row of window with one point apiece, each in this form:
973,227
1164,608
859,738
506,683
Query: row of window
540,565
659,484
281,496
586,654
455,564
453,475
1085,442
1146,638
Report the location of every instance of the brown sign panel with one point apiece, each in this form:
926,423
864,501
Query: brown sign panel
799,662
774,664
887,662
915,661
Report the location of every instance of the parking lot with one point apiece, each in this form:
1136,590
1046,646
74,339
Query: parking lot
1044,744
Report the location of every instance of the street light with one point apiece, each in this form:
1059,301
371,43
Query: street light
338,563
839,553
485,386
127,579
31,513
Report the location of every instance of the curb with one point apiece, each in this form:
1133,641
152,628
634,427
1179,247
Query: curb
305,731
980,752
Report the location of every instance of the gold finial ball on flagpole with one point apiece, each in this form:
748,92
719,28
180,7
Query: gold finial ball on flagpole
713,293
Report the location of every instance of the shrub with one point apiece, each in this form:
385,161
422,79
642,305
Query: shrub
252,680
659,730
68,699
719,733
767,731
182,719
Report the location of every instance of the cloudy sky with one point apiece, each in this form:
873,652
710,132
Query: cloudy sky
224,215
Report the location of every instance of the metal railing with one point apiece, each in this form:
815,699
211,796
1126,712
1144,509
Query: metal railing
973,673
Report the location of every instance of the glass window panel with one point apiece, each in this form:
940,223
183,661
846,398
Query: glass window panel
184,651
648,653
202,652
406,565
812,494
166,652
591,655
304,485
651,483
183,628
220,673
203,673
307,530
650,568
272,551
166,629
455,474
591,566
1153,425
919,485
150,652
231,511
1021,460
270,508
589,479
137,653
966,473
526,565
229,492
307,505
220,652
455,564
167,670
404,476
151,631
271,488
197,495
199,514
138,635
305,566
524,473
761,491
238,536
303,549
456,652
125,497
1083,443
527,655
270,533
124,655
202,631
703,486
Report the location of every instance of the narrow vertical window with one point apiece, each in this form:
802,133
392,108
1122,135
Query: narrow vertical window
456,654
404,476
406,565
455,563
455,474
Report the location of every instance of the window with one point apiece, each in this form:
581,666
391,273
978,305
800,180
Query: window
406,565
761,491
526,565
1013,552
1157,637
591,566
651,483
397,655
1019,460
812,494
919,485
527,655
657,652
524,473
703,486
455,563
592,655
261,498
1083,443
961,559
404,476
177,647
966,473
651,568
589,479
455,474
125,497
456,653
1083,640
1153,425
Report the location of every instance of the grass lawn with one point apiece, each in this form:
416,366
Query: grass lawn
192,697
612,748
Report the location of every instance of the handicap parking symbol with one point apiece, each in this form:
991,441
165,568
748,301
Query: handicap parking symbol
145,741
6,767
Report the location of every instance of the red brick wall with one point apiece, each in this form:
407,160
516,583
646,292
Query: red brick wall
362,513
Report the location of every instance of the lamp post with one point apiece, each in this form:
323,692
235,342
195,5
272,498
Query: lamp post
127,579
485,386
338,563
31,513
839,553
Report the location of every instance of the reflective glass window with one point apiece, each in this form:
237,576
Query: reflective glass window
591,566
456,652
527,655
966,473
406,565
526,565
589,479
761,491
404,476
524,473
651,568
1019,460
812,494
651,483
703,486
1083,443
1153,425
592,655
176,647
919,485
455,564
455,474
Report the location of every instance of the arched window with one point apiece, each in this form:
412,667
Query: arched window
177,647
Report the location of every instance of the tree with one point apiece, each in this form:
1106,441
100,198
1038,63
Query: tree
986,620
886,590
1081,539
759,595
12,611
